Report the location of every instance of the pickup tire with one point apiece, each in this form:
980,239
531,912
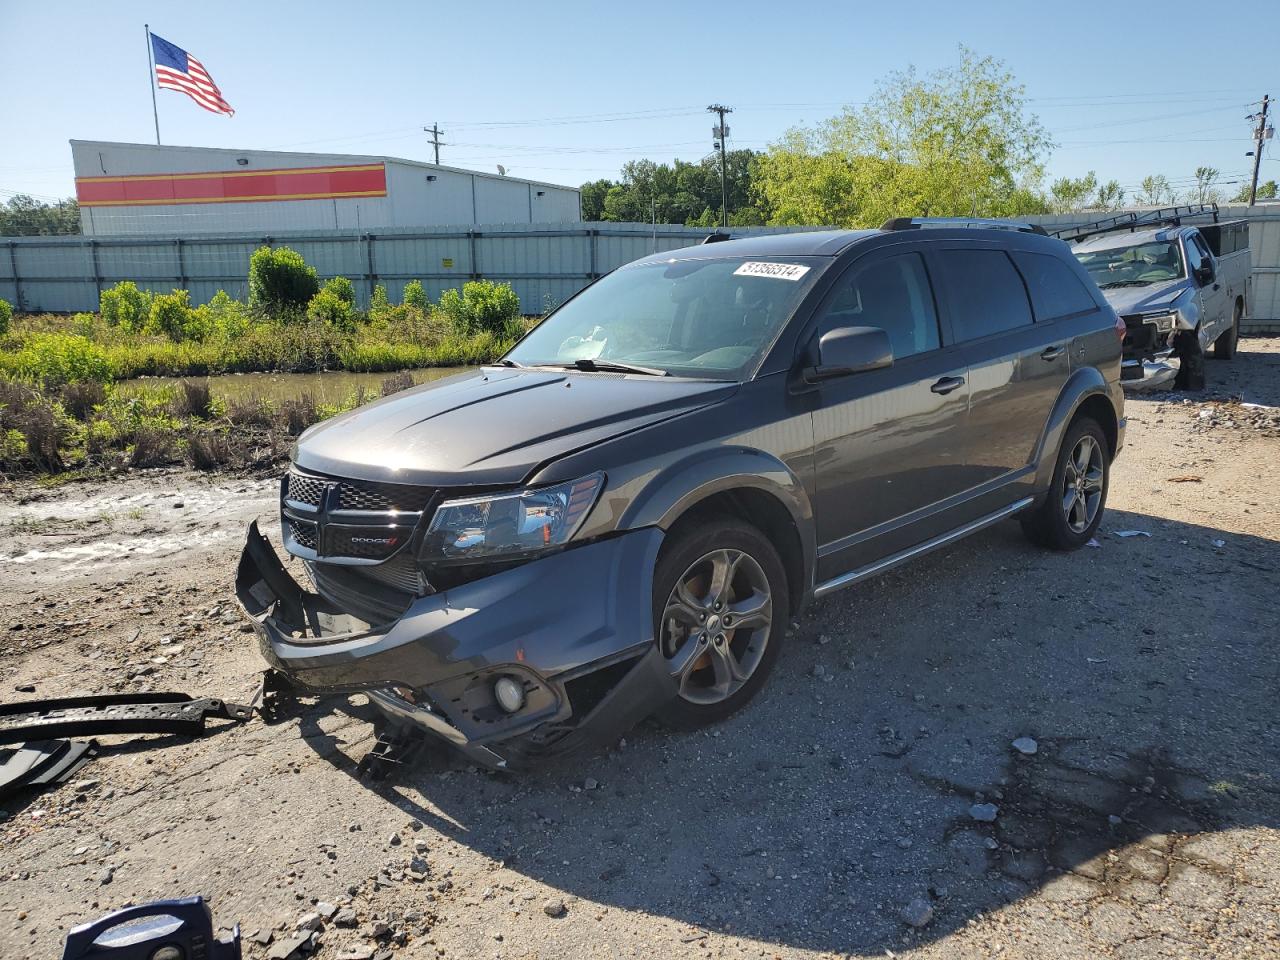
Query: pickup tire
1224,348
720,610
1070,513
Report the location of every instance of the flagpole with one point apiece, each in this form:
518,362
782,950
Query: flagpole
151,70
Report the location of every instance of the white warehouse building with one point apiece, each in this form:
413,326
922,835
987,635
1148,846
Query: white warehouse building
137,188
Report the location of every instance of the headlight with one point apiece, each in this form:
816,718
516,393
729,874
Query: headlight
511,524
1162,322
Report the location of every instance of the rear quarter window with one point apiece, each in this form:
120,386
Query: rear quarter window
1055,289
985,294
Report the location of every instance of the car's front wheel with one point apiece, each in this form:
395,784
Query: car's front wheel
720,614
1071,512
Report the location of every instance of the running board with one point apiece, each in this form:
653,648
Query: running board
888,563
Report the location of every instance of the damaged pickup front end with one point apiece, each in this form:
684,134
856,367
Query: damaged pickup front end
515,659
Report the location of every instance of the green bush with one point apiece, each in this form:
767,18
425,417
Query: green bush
342,287
483,307
415,296
329,307
57,358
172,316
378,302
223,318
6,316
279,279
125,306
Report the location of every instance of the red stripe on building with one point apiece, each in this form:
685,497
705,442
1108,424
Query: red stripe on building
153,189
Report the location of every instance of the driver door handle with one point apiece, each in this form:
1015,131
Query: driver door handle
947,384
1052,353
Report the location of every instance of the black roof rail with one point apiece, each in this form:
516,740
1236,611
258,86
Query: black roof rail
716,237
1132,220
979,223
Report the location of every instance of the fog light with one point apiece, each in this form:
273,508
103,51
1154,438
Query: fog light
509,693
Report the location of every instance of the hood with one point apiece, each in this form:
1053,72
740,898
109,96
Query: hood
1157,296
493,426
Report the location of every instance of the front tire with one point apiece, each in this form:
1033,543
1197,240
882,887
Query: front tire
720,610
1071,512
1224,348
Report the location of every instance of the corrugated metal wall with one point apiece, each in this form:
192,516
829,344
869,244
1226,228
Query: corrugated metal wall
419,195
1264,246
545,263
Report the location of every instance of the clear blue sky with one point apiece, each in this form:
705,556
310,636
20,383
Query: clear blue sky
513,83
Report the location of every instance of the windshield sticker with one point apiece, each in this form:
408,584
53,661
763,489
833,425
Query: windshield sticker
778,271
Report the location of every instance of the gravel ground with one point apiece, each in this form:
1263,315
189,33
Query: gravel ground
872,801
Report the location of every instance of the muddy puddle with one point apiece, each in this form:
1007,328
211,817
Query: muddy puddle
140,520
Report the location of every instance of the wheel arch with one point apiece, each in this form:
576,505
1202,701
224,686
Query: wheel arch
750,485
1085,392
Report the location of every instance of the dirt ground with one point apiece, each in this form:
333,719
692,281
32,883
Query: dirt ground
822,821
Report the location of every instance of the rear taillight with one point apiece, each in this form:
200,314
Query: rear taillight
1121,330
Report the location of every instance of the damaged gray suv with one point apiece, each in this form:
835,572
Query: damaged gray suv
621,516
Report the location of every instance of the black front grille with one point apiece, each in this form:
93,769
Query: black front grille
304,532
305,489
310,488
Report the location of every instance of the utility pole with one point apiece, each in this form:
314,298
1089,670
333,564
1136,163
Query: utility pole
720,131
435,140
1259,134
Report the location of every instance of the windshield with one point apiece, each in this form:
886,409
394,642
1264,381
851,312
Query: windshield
699,318
1138,265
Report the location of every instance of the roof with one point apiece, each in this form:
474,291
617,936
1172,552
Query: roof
808,243
1126,238
328,158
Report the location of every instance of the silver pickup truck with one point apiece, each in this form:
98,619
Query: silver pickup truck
1180,290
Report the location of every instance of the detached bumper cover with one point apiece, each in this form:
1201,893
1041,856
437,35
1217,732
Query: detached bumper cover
582,614
1150,373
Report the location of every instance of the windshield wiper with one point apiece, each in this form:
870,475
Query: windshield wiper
1125,283
504,362
606,366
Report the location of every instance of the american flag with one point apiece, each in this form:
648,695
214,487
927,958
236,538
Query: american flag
178,70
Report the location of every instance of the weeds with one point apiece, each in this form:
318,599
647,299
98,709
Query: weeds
397,382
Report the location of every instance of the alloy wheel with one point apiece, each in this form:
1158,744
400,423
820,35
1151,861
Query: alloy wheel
1082,484
716,625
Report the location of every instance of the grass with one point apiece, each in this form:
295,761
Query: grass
58,435
55,350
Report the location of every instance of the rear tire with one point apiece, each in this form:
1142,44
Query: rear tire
1224,348
720,608
1072,510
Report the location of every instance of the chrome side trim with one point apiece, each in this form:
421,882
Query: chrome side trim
880,566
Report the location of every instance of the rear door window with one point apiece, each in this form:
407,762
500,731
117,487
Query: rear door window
1056,291
893,294
984,292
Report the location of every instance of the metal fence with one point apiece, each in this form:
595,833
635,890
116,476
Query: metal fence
544,263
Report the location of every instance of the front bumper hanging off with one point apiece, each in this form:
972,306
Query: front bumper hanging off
575,629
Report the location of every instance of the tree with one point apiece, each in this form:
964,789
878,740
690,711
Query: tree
951,143
1110,196
1069,196
593,194
1155,190
1266,191
24,216
1206,177
679,192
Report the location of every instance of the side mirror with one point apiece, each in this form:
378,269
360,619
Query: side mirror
1205,273
847,350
